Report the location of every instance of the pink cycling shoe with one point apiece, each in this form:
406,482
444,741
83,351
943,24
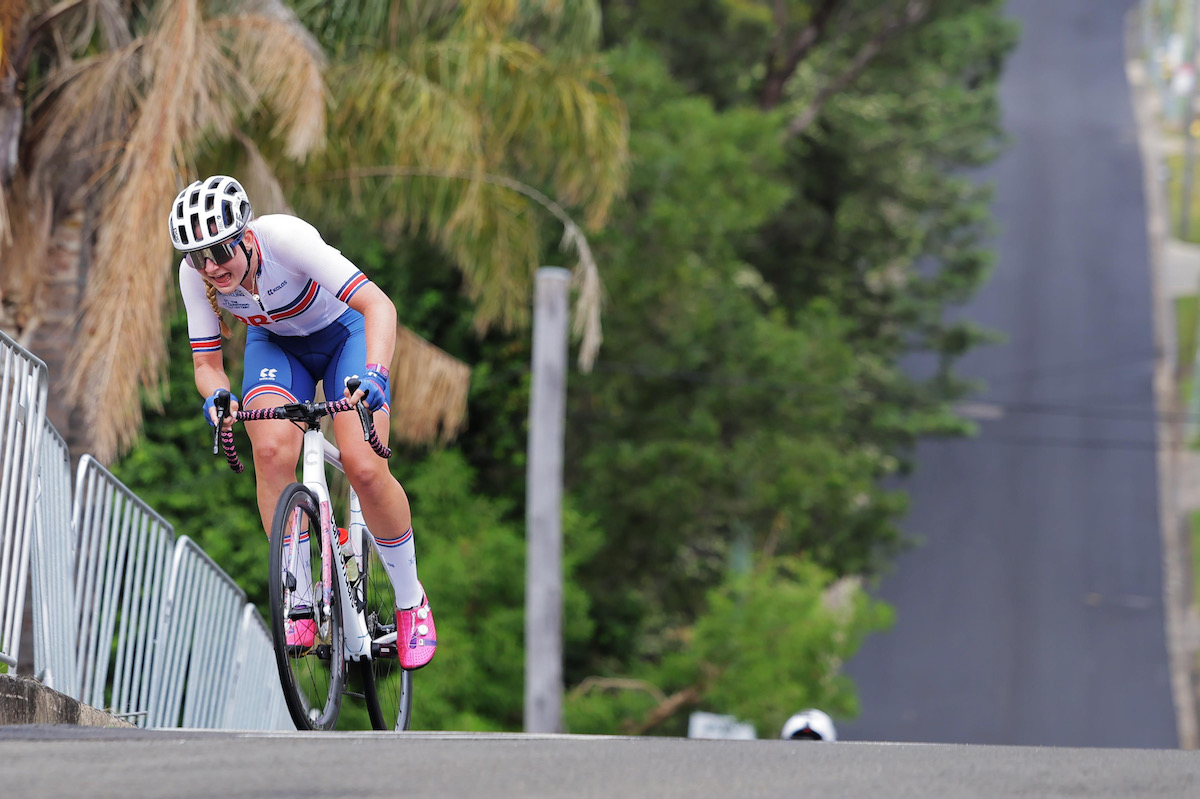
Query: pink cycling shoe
416,637
301,635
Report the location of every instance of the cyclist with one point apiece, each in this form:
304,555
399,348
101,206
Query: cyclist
311,315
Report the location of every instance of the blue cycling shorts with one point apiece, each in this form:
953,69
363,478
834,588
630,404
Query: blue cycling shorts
287,368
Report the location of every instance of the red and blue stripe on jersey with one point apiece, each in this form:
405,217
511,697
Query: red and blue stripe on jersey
351,287
206,344
298,305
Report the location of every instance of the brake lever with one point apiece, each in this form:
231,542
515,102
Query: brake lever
221,403
364,416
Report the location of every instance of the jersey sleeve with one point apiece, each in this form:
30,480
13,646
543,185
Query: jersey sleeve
299,246
204,328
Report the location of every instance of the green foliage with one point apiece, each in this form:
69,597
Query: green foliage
769,641
779,629
474,561
712,416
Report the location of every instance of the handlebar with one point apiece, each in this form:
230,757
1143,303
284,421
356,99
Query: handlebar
306,413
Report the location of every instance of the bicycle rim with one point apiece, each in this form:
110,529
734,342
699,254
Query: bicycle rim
387,688
312,677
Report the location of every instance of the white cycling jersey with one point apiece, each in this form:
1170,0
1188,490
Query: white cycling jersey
303,286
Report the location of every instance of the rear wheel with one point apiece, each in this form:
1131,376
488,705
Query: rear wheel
386,687
313,671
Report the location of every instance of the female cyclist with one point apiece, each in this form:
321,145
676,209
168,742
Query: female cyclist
311,315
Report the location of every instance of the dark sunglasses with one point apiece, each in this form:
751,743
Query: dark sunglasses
220,253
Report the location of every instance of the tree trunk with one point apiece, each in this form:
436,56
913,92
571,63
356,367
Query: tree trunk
65,278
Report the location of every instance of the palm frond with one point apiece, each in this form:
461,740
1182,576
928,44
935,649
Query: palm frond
106,379
285,65
432,403
259,179
82,113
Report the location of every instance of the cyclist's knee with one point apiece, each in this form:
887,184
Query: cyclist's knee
368,476
275,450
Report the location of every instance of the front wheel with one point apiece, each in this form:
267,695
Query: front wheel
387,688
312,665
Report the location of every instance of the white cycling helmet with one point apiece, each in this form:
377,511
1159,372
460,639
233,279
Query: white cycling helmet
208,212
809,725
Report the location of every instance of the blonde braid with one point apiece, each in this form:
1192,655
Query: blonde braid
211,291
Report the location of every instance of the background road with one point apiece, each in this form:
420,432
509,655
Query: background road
1032,612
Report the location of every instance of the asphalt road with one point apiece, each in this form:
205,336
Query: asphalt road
49,762
1032,611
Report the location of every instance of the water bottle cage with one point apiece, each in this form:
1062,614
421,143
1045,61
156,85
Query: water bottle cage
354,579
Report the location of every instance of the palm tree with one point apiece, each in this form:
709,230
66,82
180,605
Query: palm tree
457,120
454,104
115,107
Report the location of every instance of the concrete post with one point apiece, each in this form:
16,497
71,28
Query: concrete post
543,504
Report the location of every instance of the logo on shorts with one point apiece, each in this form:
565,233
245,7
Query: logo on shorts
267,374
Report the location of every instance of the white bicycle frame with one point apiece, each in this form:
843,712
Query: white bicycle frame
318,451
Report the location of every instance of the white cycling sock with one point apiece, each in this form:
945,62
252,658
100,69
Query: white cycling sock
399,557
304,584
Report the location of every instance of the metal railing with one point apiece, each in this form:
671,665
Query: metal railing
54,551
126,617
22,414
121,574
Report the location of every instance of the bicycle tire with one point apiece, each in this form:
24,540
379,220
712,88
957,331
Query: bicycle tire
312,680
387,688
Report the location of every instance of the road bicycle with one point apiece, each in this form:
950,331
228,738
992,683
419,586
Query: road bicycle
342,590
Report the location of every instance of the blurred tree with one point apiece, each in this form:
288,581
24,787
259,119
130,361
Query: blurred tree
887,107
715,418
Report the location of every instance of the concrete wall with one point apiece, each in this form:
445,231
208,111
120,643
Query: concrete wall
25,701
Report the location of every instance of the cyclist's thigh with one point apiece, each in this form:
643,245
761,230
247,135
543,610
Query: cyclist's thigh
349,359
273,376
357,455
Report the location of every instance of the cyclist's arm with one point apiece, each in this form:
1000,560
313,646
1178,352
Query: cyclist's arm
379,313
210,372
204,333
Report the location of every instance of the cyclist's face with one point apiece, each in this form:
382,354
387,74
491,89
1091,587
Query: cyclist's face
225,277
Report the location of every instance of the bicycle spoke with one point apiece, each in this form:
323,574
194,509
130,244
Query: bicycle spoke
307,633
389,689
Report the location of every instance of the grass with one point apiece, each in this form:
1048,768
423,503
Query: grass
1195,549
1186,311
1174,197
